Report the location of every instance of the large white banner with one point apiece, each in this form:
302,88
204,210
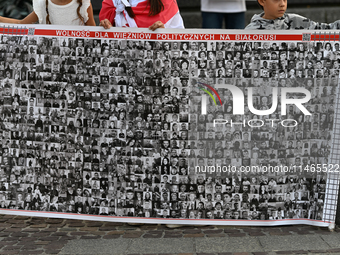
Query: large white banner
225,127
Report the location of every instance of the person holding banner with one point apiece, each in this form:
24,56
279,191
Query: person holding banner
140,13
57,12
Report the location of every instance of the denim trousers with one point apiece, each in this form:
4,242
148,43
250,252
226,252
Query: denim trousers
215,20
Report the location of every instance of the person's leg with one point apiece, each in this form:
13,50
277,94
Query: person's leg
234,20
212,20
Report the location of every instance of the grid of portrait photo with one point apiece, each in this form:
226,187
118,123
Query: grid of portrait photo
114,127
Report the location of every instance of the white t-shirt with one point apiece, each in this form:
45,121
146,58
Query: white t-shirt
61,14
223,6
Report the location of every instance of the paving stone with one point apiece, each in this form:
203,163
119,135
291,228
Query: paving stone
279,243
178,245
19,234
154,232
54,221
111,237
193,235
29,230
12,230
15,221
149,226
48,238
332,240
56,251
304,232
333,250
27,239
192,231
78,233
237,234
31,252
38,226
172,236
59,234
107,247
89,229
226,230
7,243
114,224
9,252
152,236
317,251
216,235
94,224
116,232
300,252
42,242
31,247
217,231
66,238
90,237
6,239
19,225
12,247
230,244
132,234
67,229
279,233
19,217
99,233
76,224
248,230
54,246
256,234
50,229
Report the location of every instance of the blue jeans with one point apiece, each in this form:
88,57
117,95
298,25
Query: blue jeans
215,20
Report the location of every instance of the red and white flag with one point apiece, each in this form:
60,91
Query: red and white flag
114,11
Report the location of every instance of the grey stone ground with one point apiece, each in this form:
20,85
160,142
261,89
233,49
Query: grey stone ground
33,235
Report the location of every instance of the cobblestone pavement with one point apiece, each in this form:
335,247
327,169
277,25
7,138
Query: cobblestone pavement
35,235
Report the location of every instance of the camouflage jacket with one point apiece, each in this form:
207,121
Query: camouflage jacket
289,21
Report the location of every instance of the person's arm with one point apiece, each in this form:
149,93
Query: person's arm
90,21
29,19
107,14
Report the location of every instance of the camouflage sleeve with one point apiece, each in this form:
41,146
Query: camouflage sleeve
300,22
318,25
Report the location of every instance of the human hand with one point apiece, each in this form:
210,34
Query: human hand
157,24
105,23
